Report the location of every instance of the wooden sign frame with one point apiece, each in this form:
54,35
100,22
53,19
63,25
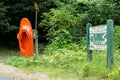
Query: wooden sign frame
109,43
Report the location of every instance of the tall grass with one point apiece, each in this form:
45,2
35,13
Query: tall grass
72,59
73,62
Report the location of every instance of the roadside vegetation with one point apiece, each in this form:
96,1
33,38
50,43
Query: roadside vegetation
70,62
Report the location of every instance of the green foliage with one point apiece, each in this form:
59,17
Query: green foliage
74,16
19,9
72,62
69,60
62,37
4,24
63,19
114,75
115,11
71,15
99,12
116,37
58,19
62,58
50,49
46,5
11,13
85,70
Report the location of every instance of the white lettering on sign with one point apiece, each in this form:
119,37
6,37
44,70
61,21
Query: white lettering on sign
98,40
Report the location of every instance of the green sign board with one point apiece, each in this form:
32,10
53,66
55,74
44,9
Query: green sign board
100,38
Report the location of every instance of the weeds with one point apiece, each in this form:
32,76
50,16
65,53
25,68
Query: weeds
70,58
68,61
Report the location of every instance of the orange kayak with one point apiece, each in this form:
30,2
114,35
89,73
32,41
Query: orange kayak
25,38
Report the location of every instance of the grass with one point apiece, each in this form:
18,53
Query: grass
69,65
6,54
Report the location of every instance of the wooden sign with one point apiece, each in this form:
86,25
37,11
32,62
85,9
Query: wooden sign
100,38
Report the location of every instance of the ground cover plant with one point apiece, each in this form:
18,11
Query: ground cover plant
62,59
70,62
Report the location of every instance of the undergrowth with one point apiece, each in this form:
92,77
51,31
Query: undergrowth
63,57
72,62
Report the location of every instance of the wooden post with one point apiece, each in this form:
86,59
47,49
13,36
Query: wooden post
36,6
89,52
36,38
110,53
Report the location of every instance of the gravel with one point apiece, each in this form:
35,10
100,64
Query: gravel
12,73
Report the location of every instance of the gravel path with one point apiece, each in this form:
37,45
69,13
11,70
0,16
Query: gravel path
12,73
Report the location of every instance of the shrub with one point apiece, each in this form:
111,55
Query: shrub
116,37
114,74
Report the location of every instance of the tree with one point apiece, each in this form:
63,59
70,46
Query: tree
64,17
4,24
116,11
19,9
11,13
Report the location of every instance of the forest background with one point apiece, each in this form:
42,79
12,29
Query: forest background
62,21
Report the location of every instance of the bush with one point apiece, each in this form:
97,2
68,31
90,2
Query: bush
63,20
116,36
114,75
62,40
62,58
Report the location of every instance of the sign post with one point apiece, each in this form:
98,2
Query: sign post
110,51
36,6
89,52
100,38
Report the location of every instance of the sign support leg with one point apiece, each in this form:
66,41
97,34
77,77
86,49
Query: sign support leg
89,52
110,53
36,32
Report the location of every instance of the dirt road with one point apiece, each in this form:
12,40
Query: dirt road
12,73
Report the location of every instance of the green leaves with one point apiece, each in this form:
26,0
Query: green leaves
116,37
57,20
4,24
